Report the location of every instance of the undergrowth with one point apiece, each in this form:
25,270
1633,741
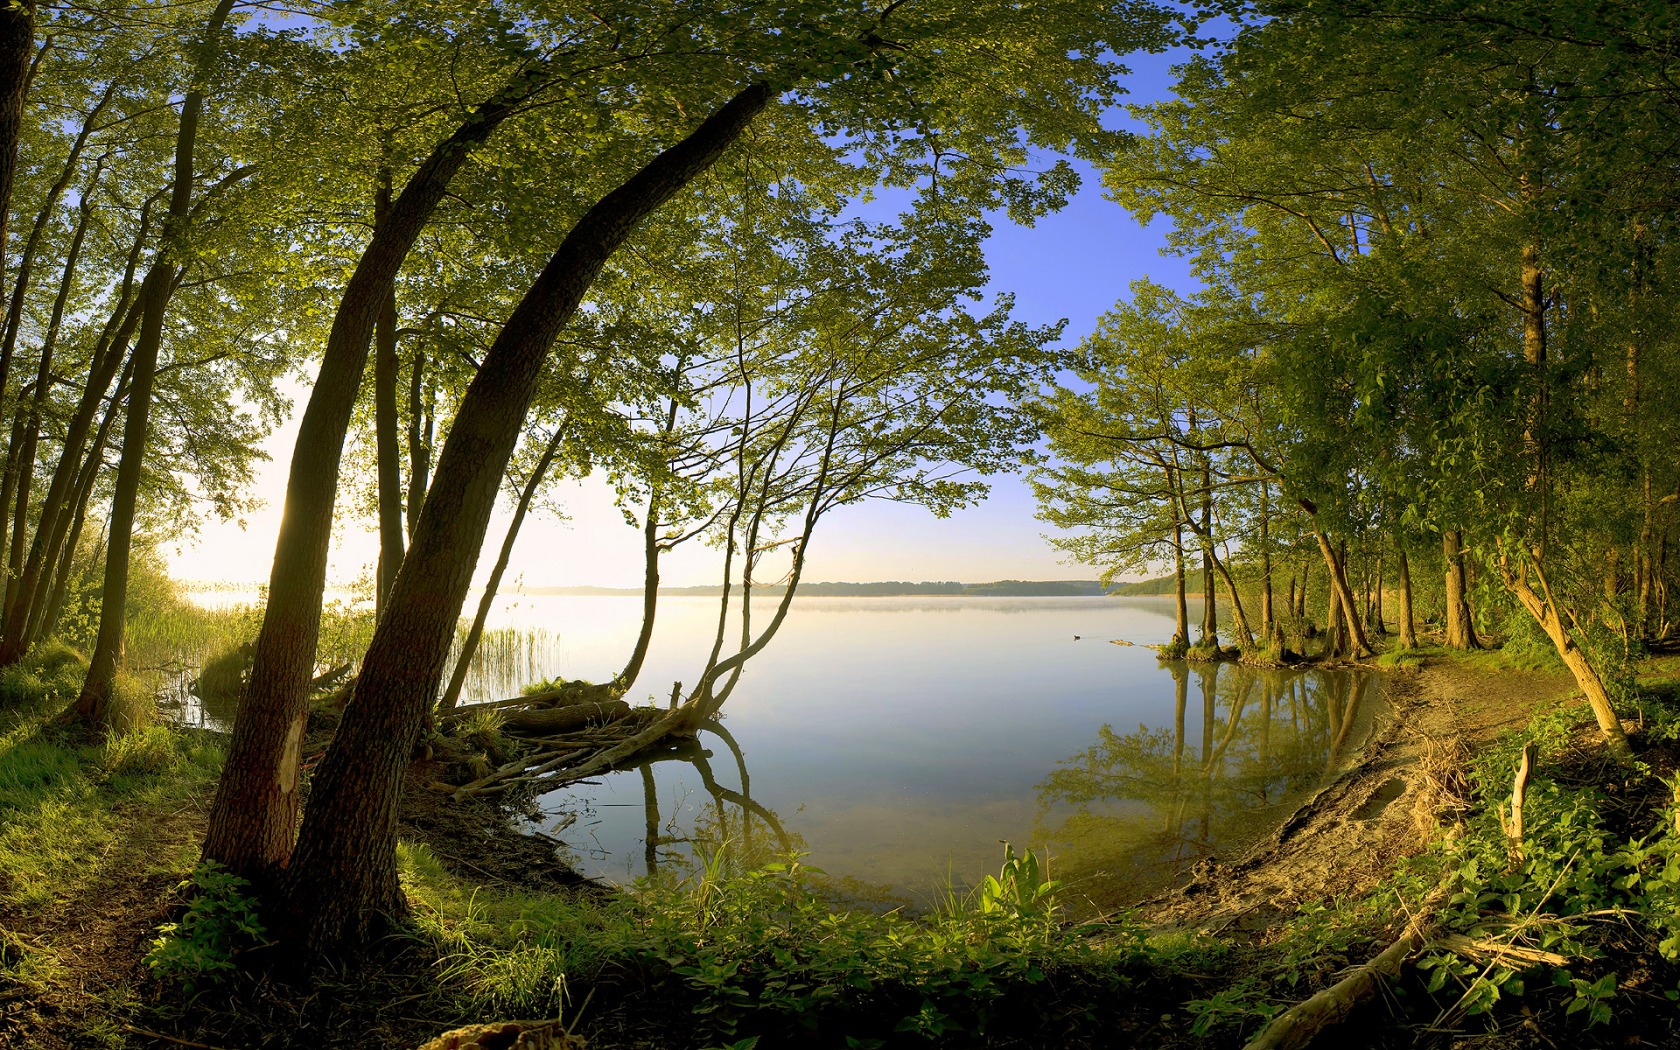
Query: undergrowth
740,951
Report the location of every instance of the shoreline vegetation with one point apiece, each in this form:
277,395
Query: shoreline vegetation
115,935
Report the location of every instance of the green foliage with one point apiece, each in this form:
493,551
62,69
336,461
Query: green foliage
1239,1003
756,951
219,921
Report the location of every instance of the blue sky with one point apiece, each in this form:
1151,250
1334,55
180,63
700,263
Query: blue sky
1074,264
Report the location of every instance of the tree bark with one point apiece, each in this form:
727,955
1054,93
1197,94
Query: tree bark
1543,607
17,43
256,806
1268,621
1181,636
650,596
1245,637
1461,624
385,422
1361,648
82,495
1408,625
341,887
452,694
419,439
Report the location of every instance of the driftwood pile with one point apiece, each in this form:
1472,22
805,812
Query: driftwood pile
564,734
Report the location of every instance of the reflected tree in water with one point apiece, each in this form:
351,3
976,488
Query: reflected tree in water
1155,799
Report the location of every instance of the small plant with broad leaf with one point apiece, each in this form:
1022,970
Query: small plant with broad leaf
219,922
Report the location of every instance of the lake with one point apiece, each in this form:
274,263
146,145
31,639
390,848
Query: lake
901,740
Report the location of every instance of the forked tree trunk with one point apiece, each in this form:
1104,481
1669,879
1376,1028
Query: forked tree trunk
1461,625
1408,626
1360,648
1245,637
253,817
341,886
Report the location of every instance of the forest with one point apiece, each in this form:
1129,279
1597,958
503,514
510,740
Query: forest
1407,447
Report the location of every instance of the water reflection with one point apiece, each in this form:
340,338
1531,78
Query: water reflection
731,821
1245,746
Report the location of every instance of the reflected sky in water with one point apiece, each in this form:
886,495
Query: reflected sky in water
900,739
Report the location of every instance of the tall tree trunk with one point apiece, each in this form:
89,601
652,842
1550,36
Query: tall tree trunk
1408,626
385,368
650,596
81,496
17,43
419,438
452,694
256,806
1181,634
25,461
1245,637
1461,624
1268,621
1378,626
341,887
24,617
93,705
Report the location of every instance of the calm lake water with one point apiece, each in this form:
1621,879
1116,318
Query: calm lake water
900,740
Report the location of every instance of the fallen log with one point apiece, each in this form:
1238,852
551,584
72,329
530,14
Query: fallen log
507,1035
1299,1026
550,721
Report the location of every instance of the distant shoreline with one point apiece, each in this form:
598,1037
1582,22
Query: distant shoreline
884,589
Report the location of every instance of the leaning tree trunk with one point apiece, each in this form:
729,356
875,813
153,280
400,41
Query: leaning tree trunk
1360,647
253,817
419,440
81,496
1245,637
25,616
650,597
1543,607
341,886
1268,620
93,705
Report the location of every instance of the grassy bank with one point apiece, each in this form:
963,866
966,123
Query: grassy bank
1577,937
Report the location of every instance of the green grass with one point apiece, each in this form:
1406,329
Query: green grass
737,948
62,793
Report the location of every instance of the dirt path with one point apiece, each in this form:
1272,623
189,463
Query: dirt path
1349,836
